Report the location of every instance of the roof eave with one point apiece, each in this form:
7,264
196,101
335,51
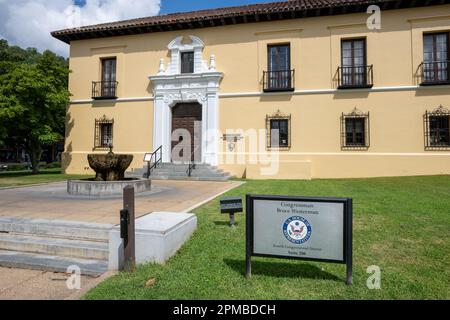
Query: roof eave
283,13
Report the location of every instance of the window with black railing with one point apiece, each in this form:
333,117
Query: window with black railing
354,71
436,59
279,80
104,89
107,88
279,75
355,77
436,72
437,129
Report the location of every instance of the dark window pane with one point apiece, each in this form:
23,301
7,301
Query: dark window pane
279,132
353,62
106,134
279,58
108,87
355,132
187,62
279,72
439,131
435,57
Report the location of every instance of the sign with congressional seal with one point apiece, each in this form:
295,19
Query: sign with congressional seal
297,230
317,229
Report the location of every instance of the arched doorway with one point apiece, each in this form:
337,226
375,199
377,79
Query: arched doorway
187,132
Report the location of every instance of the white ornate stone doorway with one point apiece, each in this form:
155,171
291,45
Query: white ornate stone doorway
172,87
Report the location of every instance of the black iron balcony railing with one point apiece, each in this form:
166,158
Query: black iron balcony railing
355,77
104,90
279,81
435,73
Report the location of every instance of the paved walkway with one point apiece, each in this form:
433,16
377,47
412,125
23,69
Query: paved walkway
18,284
51,202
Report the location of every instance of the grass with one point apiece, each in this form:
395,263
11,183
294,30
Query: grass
400,224
20,178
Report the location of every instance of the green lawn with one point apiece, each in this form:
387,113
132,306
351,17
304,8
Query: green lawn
19,178
400,224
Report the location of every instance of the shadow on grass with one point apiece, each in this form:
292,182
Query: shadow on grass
282,270
225,223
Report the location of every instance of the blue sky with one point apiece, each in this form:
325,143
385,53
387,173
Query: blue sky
171,6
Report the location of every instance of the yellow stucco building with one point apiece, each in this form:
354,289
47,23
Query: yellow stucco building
288,90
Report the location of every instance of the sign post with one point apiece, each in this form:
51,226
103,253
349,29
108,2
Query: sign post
314,229
231,206
127,228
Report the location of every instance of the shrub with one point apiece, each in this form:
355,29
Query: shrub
53,165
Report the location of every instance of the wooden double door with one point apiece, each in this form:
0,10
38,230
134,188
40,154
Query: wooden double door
186,132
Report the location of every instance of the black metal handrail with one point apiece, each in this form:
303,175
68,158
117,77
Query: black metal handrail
104,89
435,72
355,77
192,163
154,161
279,80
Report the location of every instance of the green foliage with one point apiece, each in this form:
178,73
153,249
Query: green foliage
53,165
33,98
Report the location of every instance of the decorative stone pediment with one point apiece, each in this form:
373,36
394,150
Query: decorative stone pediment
176,47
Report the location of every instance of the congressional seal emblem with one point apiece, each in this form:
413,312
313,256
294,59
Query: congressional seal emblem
297,230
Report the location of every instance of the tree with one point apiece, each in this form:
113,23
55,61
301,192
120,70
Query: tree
33,99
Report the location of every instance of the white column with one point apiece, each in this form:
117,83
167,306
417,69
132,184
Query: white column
158,107
161,127
204,130
212,127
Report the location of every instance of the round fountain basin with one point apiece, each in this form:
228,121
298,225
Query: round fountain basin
99,189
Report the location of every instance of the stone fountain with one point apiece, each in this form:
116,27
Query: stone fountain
109,178
110,166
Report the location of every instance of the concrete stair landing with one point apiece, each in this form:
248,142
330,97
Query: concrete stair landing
172,171
54,245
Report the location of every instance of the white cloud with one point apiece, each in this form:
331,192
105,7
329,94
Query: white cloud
28,23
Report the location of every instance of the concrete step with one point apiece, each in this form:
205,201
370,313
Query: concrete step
54,246
184,165
61,229
33,261
193,173
173,171
177,169
192,178
199,171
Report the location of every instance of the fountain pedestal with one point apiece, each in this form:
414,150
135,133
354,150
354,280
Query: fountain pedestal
109,179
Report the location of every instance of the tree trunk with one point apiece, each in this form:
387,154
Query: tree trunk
35,153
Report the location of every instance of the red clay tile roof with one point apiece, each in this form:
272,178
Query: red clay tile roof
234,15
